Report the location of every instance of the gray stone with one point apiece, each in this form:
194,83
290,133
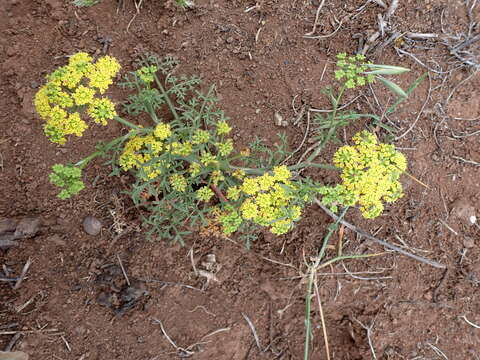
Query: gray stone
27,227
92,225
7,225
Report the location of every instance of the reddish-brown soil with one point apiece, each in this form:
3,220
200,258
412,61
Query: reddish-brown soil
260,62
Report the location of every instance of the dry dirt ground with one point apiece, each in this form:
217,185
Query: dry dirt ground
258,57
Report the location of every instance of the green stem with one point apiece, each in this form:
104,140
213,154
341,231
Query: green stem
331,230
167,98
300,166
249,171
82,163
310,164
313,268
126,123
322,144
308,321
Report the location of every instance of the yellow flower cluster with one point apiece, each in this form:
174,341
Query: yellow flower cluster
178,182
147,73
352,70
370,173
269,200
139,150
61,99
101,74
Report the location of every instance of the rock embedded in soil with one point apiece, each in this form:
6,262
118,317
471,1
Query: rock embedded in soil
27,227
15,355
7,225
92,225
463,210
279,121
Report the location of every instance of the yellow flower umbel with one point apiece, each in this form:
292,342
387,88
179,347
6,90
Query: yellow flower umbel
178,182
72,88
137,154
351,70
269,200
370,175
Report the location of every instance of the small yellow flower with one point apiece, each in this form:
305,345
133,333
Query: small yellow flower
178,182
250,186
104,71
223,128
216,177
75,125
266,181
225,148
101,110
239,174
83,95
370,174
249,209
208,159
281,173
181,149
233,193
162,131
42,104
194,169
72,77
200,137
204,193
80,60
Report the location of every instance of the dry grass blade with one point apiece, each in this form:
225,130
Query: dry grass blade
24,273
381,242
466,161
469,322
322,318
438,351
179,349
420,112
123,270
368,329
252,327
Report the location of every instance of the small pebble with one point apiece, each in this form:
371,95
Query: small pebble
279,121
92,225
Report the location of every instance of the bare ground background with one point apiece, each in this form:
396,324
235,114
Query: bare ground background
261,63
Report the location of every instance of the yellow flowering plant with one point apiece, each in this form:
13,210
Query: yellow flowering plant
185,170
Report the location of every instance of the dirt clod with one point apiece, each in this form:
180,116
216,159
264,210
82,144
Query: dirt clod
92,225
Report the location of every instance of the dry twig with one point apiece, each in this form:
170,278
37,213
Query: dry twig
22,275
123,270
316,19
